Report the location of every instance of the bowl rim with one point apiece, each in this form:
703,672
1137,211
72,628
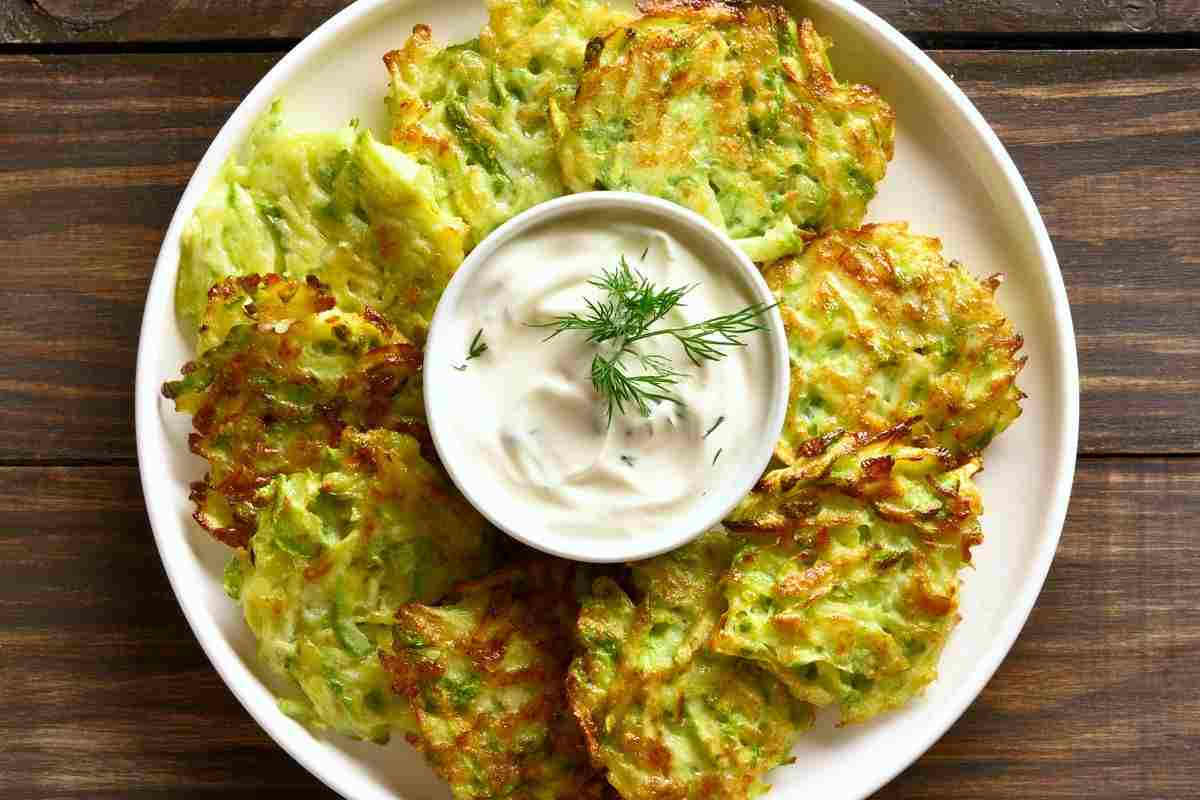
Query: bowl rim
708,238
295,740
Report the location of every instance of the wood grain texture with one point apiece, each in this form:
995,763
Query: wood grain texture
124,21
106,692
95,151
1040,16
1100,697
127,21
107,695
94,154
1109,143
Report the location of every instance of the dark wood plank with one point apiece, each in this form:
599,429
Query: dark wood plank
126,21
95,150
123,21
1039,16
1100,697
107,694
1109,143
94,154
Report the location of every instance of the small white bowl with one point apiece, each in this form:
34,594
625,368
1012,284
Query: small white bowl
740,467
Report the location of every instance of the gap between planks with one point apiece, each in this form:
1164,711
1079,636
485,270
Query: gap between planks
926,40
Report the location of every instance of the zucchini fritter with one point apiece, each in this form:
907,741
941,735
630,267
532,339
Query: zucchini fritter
733,111
849,588
477,112
359,215
258,299
285,380
882,329
665,715
484,677
340,546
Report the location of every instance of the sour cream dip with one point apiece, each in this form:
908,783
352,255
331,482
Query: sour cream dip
518,422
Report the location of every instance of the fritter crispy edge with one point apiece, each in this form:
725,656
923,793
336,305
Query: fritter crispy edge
848,586
484,677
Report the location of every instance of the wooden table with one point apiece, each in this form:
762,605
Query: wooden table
105,107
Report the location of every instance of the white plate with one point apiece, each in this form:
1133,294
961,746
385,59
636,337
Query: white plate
951,177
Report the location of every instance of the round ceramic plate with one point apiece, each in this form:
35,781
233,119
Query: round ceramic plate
951,178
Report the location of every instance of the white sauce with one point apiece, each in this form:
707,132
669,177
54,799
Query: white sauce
530,418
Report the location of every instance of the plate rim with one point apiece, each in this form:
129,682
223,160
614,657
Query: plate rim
219,653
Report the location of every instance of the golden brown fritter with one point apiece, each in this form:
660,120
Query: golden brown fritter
666,715
848,587
259,299
882,329
484,677
477,113
732,111
359,215
338,547
285,380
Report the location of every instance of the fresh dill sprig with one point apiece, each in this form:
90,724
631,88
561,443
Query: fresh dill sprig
632,305
702,341
613,381
478,346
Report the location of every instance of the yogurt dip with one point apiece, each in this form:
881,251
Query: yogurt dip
519,422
